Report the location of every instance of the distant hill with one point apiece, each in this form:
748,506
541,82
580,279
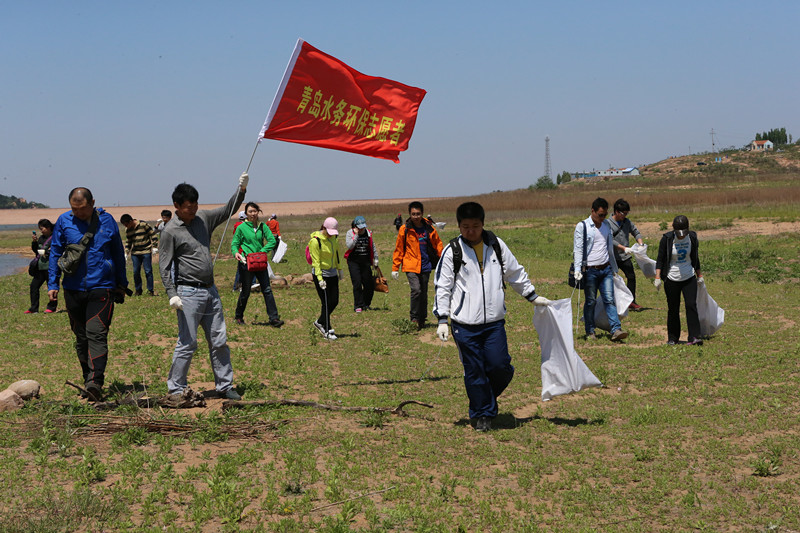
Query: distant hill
12,202
785,161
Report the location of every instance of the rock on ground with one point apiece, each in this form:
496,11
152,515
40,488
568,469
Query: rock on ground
10,401
26,388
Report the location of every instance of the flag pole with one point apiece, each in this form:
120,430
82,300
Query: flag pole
228,220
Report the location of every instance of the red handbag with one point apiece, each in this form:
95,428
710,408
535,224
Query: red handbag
257,261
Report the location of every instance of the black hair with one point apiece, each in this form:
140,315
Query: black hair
599,203
470,210
415,205
82,192
166,213
680,222
124,219
44,223
248,205
621,205
184,193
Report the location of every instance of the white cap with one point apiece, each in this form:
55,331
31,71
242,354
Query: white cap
331,226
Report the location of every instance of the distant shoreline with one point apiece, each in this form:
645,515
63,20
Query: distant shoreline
153,212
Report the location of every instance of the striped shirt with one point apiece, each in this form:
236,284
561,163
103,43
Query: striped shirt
141,239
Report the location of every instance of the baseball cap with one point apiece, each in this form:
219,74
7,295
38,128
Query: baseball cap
331,225
360,222
273,215
242,215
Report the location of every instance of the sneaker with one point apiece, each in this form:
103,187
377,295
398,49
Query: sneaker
230,394
619,335
276,323
330,336
29,312
239,321
138,292
358,309
255,286
95,392
635,307
590,336
151,293
331,331
695,342
671,343
483,423
320,328
49,310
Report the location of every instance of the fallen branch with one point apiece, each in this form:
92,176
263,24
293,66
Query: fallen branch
354,497
230,404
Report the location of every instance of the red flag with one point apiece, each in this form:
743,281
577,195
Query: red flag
323,102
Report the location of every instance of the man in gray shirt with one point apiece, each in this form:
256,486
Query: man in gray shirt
621,230
187,272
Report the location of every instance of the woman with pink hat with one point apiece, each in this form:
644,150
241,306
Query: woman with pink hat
323,248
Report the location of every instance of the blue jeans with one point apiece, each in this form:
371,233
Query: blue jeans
201,308
603,280
139,261
483,350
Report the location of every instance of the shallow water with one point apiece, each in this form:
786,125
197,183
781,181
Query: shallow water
12,263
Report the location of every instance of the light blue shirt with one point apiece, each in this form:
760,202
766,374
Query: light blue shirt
577,244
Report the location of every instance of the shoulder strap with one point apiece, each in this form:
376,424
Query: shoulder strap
92,229
458,255
498,252
619,227
585,259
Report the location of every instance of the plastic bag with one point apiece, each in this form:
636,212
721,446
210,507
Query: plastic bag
623,298
646,265
563,371
712,316
280,251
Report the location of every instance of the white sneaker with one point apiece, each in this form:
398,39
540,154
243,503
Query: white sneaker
330,336
320,329
255,286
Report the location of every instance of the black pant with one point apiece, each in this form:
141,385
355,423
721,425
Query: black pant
363,282
673,290
90,314
328,299
36,283
630,276
266,290
419,295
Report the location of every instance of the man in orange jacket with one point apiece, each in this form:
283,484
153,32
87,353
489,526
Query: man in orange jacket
417,250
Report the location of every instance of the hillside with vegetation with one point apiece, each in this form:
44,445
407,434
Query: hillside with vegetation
12,202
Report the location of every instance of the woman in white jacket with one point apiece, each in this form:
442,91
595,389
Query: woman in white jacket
470,289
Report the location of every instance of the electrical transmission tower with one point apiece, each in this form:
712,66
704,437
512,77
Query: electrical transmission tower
547,170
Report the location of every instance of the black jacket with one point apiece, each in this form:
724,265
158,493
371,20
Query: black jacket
665,251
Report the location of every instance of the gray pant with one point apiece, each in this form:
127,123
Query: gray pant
419,295
201,307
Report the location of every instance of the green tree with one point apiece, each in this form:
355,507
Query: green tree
545,183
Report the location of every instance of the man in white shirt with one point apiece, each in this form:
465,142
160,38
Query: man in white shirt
595,267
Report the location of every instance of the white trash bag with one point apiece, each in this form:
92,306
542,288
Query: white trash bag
623,298
563,371
647,265
280,251
712,316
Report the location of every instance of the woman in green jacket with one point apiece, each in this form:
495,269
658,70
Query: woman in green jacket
324,251
254,236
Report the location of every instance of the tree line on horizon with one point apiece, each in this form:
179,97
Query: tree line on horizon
776,136
13,202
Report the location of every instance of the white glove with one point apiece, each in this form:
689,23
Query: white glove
628,250
155,250
322,285
578,275
176,303
375,263
442,332
541,300
40,251
657,283
395,275
244,179
701,280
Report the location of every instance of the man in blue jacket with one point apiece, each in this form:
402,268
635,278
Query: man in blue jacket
595,265
89,293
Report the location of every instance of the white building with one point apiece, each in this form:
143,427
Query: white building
761,146
614,172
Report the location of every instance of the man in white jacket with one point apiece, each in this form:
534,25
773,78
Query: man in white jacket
470,289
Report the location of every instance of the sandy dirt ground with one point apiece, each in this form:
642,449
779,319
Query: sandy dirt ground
153,212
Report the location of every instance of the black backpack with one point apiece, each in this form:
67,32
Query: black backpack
488,238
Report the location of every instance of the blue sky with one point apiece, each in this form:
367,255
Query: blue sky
131,98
